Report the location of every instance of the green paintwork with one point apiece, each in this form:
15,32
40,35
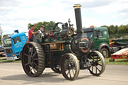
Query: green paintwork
102,38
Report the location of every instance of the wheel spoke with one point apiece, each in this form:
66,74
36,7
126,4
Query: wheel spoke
26,54
27,64
34,54
68,72
73,71
35,65
98,69
70,75
35,71
30,70
99,64
92,68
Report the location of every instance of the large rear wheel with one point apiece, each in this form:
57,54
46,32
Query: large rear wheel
97,63
33,59
70,66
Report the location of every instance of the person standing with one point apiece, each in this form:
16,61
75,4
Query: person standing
31,34
42,29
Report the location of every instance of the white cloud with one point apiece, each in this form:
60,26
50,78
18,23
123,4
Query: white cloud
16,14
113,7
125,22
87,22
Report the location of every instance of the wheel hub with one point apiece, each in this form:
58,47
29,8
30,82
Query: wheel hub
104,53
95,63
70,66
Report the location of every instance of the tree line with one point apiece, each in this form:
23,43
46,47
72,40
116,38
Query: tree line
47,26
113,29
117,30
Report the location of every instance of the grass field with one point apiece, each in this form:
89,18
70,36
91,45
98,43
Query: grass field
117,61
3,60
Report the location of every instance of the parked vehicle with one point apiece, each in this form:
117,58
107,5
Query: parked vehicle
118,42
2,53
13,45
99,38
119,48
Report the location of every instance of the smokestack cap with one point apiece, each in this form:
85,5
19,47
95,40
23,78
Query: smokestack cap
77,6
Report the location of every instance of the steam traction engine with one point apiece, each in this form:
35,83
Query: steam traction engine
63,51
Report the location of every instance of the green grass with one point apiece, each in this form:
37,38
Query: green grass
116,62
3,60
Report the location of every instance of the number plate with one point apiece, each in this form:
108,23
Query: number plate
124,56
10,58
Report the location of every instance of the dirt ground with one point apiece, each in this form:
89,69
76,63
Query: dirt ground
13,74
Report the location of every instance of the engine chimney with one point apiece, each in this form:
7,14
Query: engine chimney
78,18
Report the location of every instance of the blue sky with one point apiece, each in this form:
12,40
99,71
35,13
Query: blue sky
16,14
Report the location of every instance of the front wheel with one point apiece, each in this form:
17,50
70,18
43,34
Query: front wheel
70,66
105,52
97,63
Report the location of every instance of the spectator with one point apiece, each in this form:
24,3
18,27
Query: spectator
31,34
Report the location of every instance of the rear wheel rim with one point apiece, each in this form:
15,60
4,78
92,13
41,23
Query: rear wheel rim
31,59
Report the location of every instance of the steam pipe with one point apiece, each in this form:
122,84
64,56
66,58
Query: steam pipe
78,19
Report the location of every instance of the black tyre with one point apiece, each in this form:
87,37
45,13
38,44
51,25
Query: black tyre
105,52
33,59
56,69
70,66
97,63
